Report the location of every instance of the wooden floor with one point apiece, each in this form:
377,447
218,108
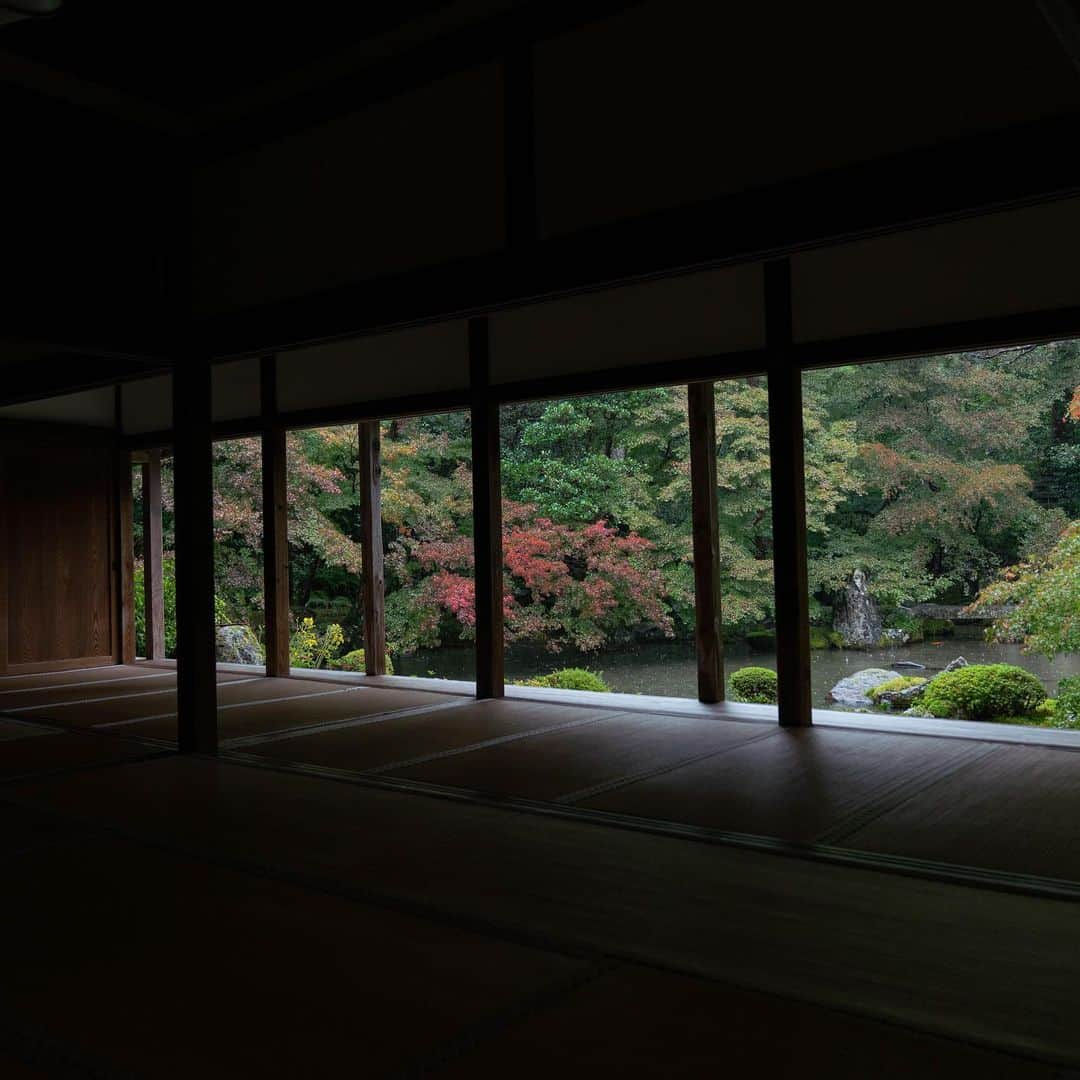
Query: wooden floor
411,881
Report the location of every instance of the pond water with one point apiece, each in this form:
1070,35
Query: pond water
668,669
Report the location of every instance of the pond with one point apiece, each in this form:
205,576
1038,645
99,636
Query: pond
668,668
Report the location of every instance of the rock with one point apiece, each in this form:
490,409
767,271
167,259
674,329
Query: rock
909,663
855,689
238,645
895,698
959,662
857,618
892,637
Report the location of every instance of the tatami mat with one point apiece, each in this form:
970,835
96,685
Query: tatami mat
15,729
264,978
796,785
635,1023
1017,809
445,730
39,699
562,763
63,750
75,675
905,950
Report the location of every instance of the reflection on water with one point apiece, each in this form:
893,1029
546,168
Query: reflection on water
668,668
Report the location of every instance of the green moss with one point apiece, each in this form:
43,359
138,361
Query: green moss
902,683
909,624
983,692
756,685
820,638
569,679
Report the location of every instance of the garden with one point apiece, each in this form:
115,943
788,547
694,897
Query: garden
943,511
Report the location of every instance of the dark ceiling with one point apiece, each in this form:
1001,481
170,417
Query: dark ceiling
193,60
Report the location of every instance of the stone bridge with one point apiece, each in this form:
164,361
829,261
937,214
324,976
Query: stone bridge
958,613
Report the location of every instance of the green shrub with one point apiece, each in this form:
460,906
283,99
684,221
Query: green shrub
354,661
902,683
571,678
1067,714
937,628
756,685
983,692
761,640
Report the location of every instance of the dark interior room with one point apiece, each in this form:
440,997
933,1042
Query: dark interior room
540,539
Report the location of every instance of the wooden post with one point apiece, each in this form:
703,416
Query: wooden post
125,559
275,493
371,547
196,675
153,584
701,411
788,503
487,517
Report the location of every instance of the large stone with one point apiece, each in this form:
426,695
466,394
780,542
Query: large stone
238,645
857,618
854,690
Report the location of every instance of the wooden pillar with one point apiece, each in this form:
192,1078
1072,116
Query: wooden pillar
701,410
125,559
275,493
153,584
487,517
194,502
371,547
788,503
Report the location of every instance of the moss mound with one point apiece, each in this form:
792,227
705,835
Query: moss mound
983,692
571,678
905,682
354,661
756,685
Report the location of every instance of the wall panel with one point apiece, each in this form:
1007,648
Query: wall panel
147,405
408,182
664,105
58,538
422,360
668,319
985,267
236,393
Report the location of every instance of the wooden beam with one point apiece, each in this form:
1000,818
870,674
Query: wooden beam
275,494
125,559
371,547
701,411
792,603
888,194
194,501
487,517
153,554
